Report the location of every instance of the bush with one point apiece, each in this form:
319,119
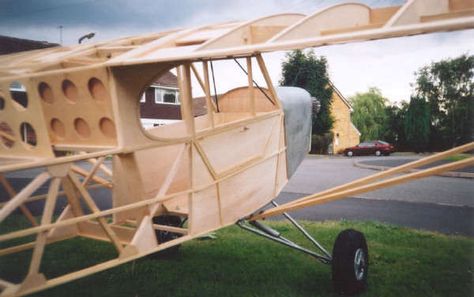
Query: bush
320,143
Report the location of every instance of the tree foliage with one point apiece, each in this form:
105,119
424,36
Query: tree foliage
395,125
447,87
307,71
369,114
417,124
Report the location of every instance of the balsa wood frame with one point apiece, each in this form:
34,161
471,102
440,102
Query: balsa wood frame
214,169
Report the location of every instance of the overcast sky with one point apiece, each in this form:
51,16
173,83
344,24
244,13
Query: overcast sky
386,64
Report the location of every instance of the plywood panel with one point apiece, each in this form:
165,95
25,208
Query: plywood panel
179,204
201,174
247,191
77,108
238,100
205,211
282,176
15,115
155,164
242,144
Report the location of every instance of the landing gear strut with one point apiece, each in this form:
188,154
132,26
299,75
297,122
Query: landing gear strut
349,259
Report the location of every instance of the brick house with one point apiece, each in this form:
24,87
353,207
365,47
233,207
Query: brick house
344,131
159,104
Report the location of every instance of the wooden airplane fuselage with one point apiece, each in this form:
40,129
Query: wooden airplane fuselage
211,170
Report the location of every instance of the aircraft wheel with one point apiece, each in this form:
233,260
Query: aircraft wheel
350,263
164,236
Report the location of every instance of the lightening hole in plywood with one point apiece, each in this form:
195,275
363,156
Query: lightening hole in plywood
70,90
107,127
19,95
28,134
7,136
46,93
82,128
98,90
58,128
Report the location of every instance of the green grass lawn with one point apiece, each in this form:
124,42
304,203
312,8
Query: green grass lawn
403,262
458,157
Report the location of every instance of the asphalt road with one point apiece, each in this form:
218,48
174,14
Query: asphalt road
442,204
319,173
401,161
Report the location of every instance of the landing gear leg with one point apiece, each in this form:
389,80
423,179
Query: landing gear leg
349,260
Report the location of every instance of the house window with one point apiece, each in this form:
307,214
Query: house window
17,86
168,96
158,96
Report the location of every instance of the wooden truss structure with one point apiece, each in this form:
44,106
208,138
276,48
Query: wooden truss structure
214,170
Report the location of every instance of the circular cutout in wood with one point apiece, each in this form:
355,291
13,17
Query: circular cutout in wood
46,93
28,134
19,95
98,90
70,90
58,128
7,136
107,127
82,128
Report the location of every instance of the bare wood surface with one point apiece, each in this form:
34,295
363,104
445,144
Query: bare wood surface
12,193
93,207
45,219
226,152
21,197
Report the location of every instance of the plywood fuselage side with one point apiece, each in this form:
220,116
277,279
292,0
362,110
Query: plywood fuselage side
215,175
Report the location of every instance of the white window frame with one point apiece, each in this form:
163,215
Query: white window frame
160,93
143,98
21,88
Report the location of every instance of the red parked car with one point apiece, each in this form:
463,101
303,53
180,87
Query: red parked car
376,147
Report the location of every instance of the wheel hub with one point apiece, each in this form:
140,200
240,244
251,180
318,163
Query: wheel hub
359,264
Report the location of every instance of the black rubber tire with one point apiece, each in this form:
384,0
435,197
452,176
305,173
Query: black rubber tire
344,277
164,236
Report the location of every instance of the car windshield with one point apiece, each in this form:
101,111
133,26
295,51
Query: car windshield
383,142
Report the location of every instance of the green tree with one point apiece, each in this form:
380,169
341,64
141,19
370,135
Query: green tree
307,71
369,114
417,124
394,128
448,88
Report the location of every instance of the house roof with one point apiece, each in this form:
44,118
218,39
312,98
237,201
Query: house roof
346,102
167,80
10,45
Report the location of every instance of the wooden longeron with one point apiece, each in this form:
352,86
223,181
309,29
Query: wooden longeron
83,105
